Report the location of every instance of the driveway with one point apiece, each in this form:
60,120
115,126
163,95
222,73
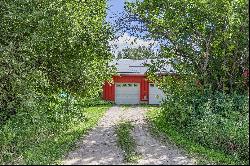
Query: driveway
99,146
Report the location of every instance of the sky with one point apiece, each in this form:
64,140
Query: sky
116,7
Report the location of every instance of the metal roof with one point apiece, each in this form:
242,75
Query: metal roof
139,67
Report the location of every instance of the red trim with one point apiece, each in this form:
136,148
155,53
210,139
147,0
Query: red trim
132,75
109,89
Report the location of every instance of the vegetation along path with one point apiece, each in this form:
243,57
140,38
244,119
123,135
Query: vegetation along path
100,145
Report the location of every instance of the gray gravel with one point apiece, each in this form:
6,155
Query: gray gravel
99,146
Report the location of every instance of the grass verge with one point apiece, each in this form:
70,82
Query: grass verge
127,106
38,142
202,154
126,142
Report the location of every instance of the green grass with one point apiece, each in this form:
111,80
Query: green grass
127,106
202,154
33,144
126,142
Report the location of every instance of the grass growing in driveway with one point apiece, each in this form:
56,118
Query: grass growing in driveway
125,106
203,154
43,139
126,142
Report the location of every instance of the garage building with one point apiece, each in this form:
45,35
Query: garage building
130,85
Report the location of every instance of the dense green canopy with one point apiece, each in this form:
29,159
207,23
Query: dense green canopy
209,38
137,53
51,45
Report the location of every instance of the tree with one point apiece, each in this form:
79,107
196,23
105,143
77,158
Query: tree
136,53
48,46
208,38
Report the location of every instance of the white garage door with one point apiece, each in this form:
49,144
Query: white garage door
127,93
156,95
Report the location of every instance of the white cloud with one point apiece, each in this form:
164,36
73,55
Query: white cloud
127,41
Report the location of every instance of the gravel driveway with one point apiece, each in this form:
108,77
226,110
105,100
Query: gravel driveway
99,146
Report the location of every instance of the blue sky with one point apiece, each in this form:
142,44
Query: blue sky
115,8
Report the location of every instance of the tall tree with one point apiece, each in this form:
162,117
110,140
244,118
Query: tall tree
49,45
208,38
137,53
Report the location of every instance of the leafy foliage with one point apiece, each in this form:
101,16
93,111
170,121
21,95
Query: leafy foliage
212,119
48,46
137,53
45,134
53,60
208,42
203,155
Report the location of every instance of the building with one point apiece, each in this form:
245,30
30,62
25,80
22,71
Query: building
130,85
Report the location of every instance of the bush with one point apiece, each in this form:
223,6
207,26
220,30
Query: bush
42,134
215,120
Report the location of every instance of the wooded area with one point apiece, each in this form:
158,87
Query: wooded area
208,101
54,59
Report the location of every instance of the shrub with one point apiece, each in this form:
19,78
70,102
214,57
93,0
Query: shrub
215,120
56,120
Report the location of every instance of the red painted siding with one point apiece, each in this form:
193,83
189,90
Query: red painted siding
109,89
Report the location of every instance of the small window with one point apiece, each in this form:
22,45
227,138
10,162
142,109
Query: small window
135,85
118,85
130,85
151,85
124,85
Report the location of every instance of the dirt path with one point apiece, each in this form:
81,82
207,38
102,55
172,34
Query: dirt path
99,146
